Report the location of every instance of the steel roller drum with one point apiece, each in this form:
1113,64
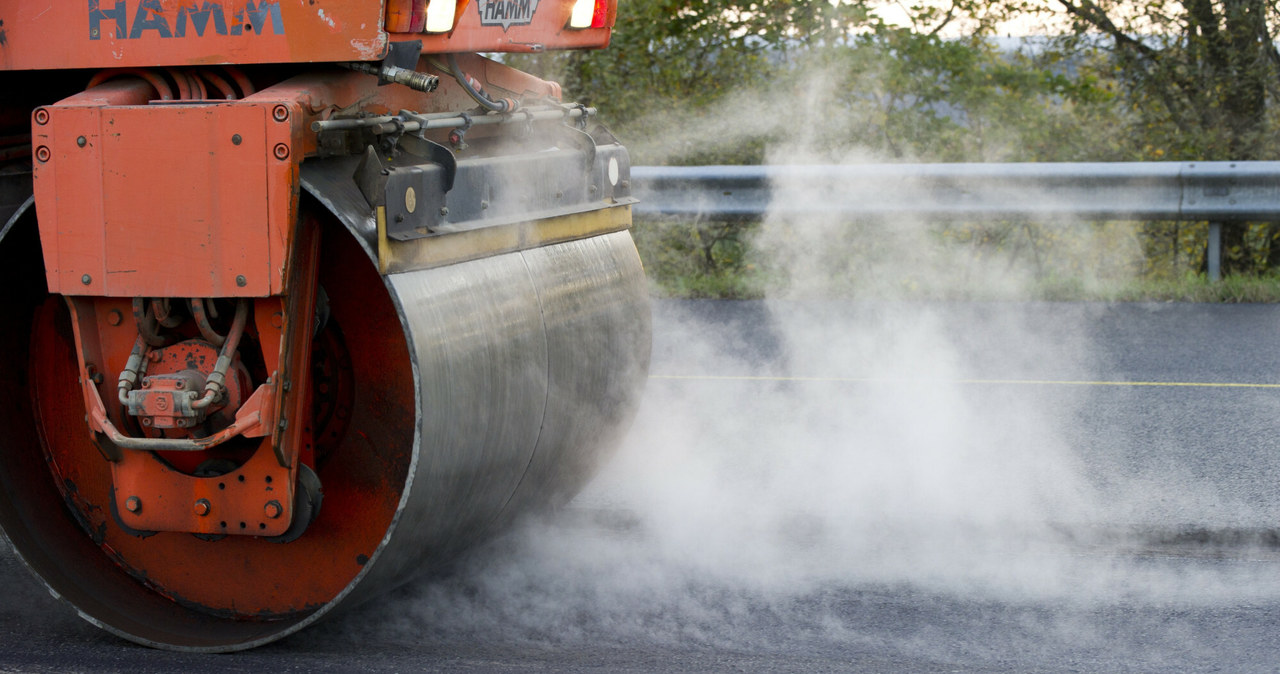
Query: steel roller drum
482,390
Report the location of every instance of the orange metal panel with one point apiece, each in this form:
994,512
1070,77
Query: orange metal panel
143,33
136,33
174,200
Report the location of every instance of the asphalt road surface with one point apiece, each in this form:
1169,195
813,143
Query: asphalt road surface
860,487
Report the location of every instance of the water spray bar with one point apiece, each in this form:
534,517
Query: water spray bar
412,122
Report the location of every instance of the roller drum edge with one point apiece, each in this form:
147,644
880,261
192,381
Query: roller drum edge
483,390
521,418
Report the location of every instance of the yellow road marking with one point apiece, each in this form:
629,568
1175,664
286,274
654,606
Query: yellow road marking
1002,382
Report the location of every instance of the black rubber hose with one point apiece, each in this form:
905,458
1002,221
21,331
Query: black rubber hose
504,105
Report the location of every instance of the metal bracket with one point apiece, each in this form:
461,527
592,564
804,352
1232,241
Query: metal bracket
371,178
419,146
403,55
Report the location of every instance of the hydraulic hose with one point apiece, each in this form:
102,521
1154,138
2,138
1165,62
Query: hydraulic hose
503,105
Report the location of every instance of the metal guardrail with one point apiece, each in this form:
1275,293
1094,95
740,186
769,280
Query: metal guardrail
1190,191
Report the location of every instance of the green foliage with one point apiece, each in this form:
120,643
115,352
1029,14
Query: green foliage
1187,288
700,259
733,81
906,95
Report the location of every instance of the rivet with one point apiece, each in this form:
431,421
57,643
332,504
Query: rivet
86,279
236,139
241,281
444,211
273,509
81,141
202,507
114,317
133,504
277,320
146,421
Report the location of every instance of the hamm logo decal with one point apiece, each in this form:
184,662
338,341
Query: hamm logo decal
148,18
506,13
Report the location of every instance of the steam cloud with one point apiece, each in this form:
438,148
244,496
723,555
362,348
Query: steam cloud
793,476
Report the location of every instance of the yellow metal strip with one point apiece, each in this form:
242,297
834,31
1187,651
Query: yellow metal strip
998,382
384,251
445,249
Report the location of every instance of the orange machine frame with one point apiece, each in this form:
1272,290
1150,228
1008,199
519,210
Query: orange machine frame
147,33
169,176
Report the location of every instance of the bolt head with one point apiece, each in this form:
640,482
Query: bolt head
202,507
133,504
273,510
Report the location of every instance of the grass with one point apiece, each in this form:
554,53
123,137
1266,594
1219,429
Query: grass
701,260
1189,288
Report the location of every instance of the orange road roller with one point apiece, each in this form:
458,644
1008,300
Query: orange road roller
301,299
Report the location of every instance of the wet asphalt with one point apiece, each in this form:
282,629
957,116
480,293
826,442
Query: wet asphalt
1026,487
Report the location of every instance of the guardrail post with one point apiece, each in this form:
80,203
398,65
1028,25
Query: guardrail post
1213,256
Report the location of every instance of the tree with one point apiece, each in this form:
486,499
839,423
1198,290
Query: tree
1198,76
669,63
733,81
